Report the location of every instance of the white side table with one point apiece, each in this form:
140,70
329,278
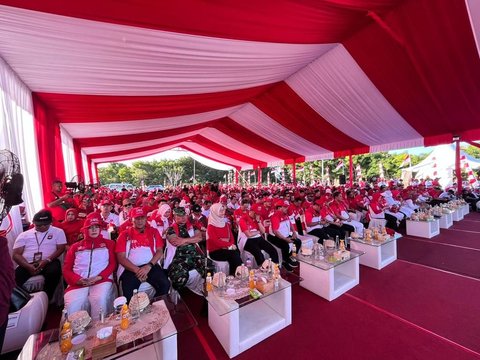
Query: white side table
424,229
377,254
329,280
446,220
457,215
465,209
239,327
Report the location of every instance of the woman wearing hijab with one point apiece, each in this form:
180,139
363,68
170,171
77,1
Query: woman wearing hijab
72,227
162,221
220,241
88,270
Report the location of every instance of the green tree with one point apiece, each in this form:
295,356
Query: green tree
110,173
473,151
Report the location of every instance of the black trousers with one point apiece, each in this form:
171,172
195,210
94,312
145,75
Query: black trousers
284,246
232,256
255,246
391,222
51,272
156,277
3,329
330,231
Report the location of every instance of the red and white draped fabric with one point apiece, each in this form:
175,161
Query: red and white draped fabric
407,160
246,83
339,165
465,165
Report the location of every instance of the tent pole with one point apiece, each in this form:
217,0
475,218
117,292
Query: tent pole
350,163
236,176
96,174
294,174
458,171
259,177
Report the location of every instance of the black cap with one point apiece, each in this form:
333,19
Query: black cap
196,208
43,217
180,211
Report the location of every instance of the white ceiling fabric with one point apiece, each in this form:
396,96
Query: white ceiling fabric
337,89
112,59
258,122
114,128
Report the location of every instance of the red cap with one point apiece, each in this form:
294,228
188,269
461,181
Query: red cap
106,202
93,219
137,212
281,203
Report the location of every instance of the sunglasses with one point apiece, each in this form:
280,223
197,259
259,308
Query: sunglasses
127,204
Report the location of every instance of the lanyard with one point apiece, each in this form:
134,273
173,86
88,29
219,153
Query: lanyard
41,242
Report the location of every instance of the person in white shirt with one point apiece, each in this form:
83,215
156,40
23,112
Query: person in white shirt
233,204
206,208
106,207
36,252
447,195
111,219
127,205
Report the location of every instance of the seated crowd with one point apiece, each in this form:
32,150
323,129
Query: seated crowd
104,241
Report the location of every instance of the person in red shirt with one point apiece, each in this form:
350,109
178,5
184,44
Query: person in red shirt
328,214
317,226
59,201
295,212
88,271
72,227
220,242
242,210
252,240
283,234
341,211
85,207
139,249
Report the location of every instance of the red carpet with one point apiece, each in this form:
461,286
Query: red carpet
344,328
432,299
466,224
450,258
457,238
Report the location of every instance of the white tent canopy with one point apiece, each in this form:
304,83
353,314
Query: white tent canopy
441,164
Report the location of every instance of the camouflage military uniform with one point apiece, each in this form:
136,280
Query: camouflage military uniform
187,257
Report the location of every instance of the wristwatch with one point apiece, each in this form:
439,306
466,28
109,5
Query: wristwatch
151,265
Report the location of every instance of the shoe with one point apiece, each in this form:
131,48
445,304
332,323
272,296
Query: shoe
292,263
287,266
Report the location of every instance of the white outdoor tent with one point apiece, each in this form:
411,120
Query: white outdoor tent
441,164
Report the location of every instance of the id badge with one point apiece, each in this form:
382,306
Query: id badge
37,257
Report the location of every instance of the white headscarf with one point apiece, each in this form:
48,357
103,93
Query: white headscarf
163,209
214,218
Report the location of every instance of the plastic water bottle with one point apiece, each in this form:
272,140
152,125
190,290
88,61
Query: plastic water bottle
101,316
135,312
248,263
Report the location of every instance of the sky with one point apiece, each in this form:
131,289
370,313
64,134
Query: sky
414,151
